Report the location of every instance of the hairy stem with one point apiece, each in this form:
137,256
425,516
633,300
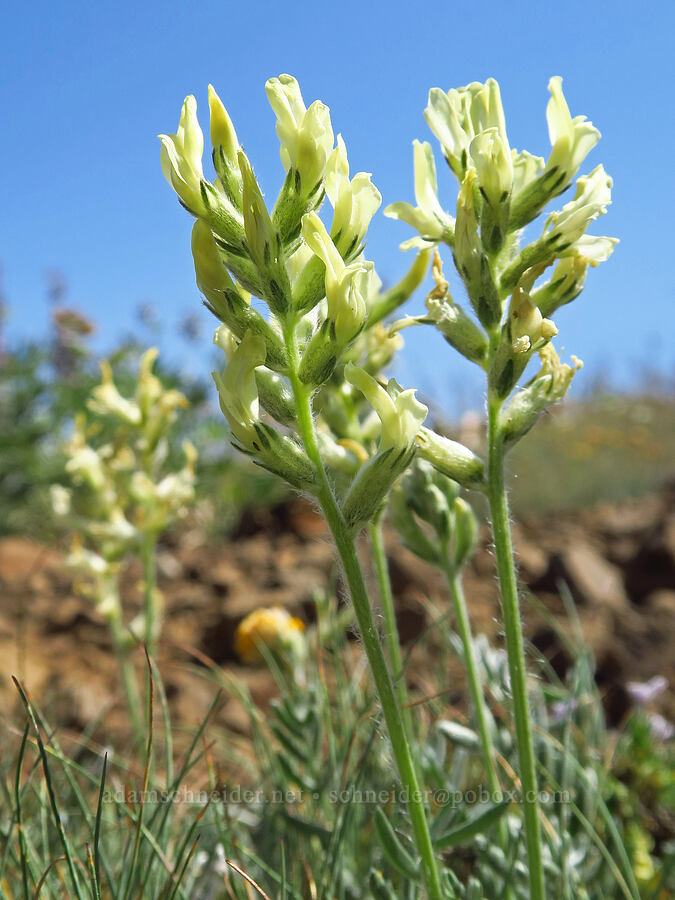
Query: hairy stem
501,533
344,543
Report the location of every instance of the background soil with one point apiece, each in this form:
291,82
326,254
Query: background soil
618,562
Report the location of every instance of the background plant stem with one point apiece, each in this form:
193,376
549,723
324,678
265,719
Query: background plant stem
122,646
151,611
391,634
481,712
501,533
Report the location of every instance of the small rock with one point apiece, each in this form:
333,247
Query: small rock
592,580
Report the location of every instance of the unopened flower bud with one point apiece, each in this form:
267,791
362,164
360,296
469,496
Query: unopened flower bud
413,535
451,458
226,300
263,242
225,145
465,532
276,396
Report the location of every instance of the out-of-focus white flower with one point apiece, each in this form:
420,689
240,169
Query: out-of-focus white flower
87,561
107,400
86,465
61,499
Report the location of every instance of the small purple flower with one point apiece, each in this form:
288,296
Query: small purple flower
643,692
562,709
662,729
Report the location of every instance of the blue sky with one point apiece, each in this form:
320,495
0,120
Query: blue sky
85,88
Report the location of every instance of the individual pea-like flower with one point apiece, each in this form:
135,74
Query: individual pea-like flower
87,561
107,400
456,117
116,528
526,169
181,157
400,413
569,274
306,135
493,162
85,464
428,217
61,499
165,500
238,391
348,287
354,201
593,196
572,139
273,628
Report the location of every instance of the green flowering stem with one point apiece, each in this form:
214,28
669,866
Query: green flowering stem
501,533
122,646
481,711
344,542
391,628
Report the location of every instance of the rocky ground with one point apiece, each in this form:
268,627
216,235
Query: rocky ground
618,561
